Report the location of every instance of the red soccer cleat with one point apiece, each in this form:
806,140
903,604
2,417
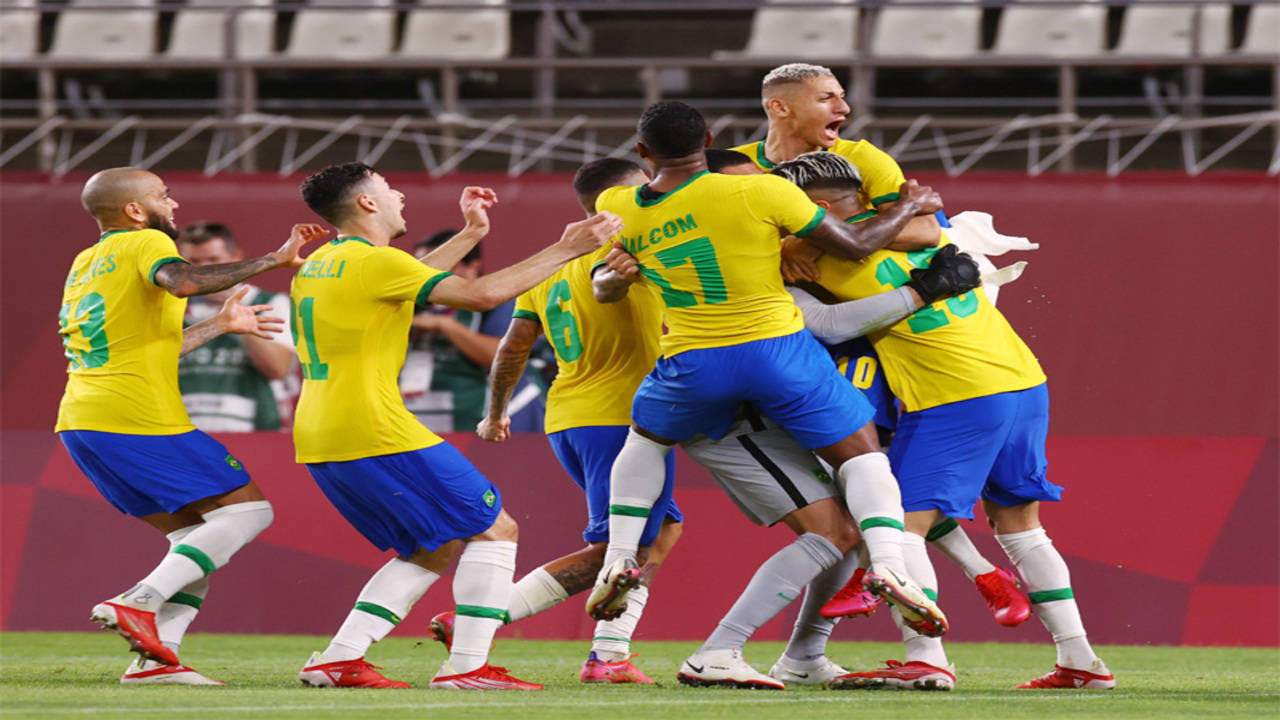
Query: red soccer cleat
149,672
595,670
1005,601
1070,679
895,675
852,599
442,628
345,674
136,626
485,677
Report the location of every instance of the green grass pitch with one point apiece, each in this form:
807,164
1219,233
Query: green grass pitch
75,675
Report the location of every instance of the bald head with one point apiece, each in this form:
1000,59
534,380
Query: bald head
129,198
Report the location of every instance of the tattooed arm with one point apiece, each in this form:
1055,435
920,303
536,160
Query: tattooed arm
508,367
232,318
184,280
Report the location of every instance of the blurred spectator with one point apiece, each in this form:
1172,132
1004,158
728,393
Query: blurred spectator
450,352
235,383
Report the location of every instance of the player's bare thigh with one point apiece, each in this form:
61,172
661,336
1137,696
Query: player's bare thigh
249,492
864,441
1012,519
827,517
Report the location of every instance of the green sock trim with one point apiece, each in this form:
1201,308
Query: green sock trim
181,598
197,556
875,522
378,611
483,612
614,639
1044,596
931,593
629,510
938,531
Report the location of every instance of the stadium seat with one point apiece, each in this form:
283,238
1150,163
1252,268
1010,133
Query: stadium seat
1166,30
907,29
1262,35
19,30
344,34
105,34
202,33
481,34
1071,29
801,32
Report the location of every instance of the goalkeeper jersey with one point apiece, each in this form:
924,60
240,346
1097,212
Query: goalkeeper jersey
352,304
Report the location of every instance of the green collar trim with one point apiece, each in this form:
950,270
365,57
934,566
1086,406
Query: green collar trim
763,161
109,233
650,203
339,241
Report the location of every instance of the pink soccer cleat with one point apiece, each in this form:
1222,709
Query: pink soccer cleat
1070,679
852,599
595,670
608,599
136,626
345,674
895,675
485,677
1005,601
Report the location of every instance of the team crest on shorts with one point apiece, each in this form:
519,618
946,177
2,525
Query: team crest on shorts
489,497
822,476
234,463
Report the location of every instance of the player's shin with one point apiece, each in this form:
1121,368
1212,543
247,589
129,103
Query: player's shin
384,601
809,637
875,502
953,542
918,647
778,581
482,590
534,593
1048,584
612,639
634,486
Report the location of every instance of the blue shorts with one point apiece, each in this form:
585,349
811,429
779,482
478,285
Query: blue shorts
992,447
791,379
417,499
858,360
148,474
587,453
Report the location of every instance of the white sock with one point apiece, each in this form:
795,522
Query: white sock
875,501
812,631
1049,589
534,593
482,589
635,484
954,542
612,639
384,601
205,549
920,648
180,610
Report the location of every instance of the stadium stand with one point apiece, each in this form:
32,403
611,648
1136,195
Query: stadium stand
101,34
345,34
200,32
777,31
19,30
1069,30
1151,29
479,34
909,29
1263,34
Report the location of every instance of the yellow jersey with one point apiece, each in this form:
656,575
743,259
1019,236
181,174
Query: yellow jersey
352,306
603,350
712,248
122,334
953,350
881,175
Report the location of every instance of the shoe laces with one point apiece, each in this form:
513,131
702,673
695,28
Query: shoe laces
849,591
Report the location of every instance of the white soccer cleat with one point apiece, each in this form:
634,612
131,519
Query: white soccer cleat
805,672
918,612
724,668
150,672
608,599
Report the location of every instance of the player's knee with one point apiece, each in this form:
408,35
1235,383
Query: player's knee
844,536
504,528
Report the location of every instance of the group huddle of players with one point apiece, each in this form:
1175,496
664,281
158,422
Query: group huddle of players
672,323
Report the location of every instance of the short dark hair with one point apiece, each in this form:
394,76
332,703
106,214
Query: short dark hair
202,232
672,129
328,191
440,237
821,170
597,176
719,159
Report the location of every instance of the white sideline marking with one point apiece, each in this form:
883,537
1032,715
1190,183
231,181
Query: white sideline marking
753,698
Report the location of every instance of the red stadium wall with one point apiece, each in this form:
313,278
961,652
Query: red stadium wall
1161,350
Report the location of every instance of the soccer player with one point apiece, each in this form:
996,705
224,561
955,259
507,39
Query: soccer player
121,417
394,480
974,427
805,106
602,353
710,244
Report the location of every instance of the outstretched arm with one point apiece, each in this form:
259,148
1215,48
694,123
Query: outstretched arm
508,367
232,318
184,280
475,203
